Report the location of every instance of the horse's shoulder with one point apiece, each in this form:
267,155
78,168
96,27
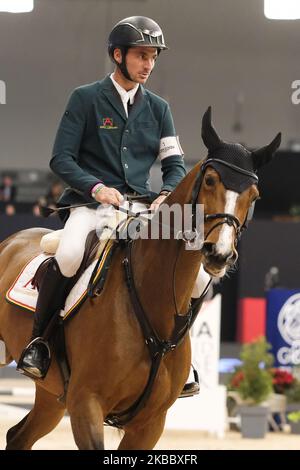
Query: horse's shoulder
32,233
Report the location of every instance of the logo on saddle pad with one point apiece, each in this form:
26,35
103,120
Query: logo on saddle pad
108,123
23,294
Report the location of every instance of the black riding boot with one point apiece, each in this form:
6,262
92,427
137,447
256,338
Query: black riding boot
35,359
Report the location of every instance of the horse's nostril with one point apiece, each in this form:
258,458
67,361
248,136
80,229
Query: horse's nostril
209,248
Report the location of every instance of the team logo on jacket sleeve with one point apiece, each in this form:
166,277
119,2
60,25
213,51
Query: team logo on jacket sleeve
108,123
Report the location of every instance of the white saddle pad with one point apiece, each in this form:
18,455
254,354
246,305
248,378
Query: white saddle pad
22,293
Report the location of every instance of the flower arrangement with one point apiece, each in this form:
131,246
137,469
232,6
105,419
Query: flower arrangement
253,380
286,383
282,380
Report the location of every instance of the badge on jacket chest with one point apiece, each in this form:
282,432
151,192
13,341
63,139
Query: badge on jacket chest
108,123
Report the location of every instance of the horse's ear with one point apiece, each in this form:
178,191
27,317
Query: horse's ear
209,134
265,154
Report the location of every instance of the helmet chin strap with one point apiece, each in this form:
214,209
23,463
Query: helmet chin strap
122,66
124,71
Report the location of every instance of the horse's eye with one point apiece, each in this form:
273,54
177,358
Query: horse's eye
209,181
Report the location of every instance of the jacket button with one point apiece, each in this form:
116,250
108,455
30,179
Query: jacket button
127,131
124,148
126,166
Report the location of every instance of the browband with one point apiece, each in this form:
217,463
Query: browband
230,165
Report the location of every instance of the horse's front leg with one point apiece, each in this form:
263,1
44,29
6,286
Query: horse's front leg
143,436
86,419
44,416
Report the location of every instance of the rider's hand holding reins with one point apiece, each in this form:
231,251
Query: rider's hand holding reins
156,203
109,196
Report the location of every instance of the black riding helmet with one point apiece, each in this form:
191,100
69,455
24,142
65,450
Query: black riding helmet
131,32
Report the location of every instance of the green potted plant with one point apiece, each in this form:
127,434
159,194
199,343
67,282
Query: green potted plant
253,382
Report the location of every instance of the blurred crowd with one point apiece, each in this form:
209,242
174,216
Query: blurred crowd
10,204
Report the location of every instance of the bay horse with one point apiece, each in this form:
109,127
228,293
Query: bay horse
108,357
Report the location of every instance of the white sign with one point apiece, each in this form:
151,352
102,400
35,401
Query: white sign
205,337
206,411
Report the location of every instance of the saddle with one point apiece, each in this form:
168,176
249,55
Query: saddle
96,248
93,249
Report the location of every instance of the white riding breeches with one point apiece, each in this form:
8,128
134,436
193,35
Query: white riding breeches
69,254
81,222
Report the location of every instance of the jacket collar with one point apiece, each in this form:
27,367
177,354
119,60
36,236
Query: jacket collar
110,92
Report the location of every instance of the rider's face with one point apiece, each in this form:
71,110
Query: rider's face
140,62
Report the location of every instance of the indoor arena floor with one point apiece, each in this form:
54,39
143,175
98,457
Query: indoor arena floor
14,405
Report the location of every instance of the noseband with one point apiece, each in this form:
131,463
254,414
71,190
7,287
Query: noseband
228,219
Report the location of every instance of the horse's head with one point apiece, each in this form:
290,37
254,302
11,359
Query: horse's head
227,186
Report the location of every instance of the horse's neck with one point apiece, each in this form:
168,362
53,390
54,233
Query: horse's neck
164,275
165,272
183,192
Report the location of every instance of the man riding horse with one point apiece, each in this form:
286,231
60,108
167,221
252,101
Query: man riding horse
109,137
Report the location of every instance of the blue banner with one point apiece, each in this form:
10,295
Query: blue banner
283,325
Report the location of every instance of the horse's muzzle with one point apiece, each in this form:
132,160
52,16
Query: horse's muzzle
215,262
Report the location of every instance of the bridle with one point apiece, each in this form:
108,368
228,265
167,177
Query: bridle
226,218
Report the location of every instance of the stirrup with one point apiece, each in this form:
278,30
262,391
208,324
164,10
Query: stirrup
191,388
31,370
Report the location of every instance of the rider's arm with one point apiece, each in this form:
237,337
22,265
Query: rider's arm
170,154
67,144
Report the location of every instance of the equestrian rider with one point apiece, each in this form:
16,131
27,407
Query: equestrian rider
109,137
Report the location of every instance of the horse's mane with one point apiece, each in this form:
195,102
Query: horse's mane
183,191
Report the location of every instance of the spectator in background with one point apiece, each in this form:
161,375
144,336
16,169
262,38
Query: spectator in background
8,192
51,197
10,209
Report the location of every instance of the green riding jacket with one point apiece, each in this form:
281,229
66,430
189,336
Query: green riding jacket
96,142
